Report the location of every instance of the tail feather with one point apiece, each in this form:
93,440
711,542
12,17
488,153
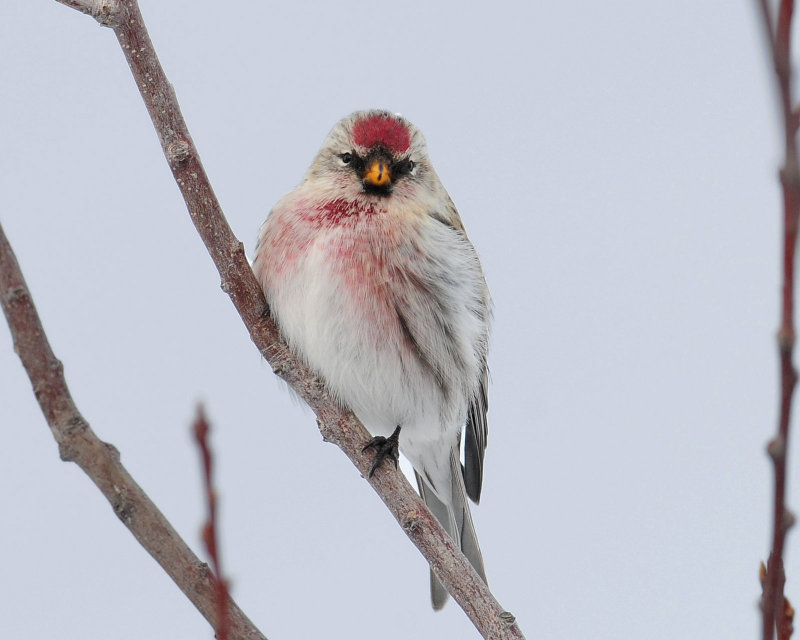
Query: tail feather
468,537
456,520
445,517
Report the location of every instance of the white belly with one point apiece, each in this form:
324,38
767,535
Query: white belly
394,321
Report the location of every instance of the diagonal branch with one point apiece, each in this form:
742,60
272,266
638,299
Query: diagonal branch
100,461
776,611
337,425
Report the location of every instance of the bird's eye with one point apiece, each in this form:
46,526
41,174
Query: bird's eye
347,158
405,166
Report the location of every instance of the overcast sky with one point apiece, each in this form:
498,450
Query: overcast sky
615,165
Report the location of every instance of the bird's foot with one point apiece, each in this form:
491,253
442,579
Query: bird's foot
385,448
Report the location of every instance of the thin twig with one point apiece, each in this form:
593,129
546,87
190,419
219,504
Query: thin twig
766,20
776,610
336,424
210,529
99,460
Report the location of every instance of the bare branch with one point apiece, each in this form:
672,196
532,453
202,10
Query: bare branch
99,460
336,425
776,611
766,19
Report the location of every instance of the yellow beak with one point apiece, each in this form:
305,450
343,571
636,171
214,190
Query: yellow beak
378,173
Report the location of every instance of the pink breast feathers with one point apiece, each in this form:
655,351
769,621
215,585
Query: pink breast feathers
340,212
383,130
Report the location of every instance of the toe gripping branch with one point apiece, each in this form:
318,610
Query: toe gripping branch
384,448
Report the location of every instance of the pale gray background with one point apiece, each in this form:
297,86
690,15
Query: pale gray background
615,165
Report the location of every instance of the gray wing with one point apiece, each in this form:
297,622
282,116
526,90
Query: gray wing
477,428
475,440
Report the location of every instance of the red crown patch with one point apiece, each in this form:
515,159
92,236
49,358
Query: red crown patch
382,130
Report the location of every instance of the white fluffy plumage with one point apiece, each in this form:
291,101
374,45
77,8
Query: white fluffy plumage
373,282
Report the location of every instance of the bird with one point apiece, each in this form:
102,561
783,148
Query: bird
371,279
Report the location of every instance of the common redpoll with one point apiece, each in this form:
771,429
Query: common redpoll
372,281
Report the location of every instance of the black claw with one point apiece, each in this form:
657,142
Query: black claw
386,448
265,313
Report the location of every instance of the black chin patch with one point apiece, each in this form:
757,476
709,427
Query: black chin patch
375,190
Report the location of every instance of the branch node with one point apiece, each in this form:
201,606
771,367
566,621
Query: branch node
785,339
317,385
323,432
107,12
69,446
507,618
56,365
177,151
75,425
279,369
777,448
790,173
67,451
411,522
122,505
16,294
788,610
788,520
112,451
